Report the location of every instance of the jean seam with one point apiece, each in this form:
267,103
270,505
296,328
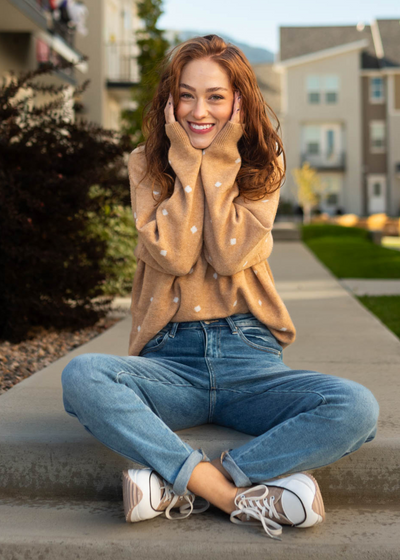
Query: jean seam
152,380
324,401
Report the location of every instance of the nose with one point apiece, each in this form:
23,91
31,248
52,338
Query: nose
200,110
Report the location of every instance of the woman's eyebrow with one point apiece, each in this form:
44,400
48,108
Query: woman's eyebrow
209,89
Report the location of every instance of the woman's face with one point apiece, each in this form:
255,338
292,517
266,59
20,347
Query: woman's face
199,106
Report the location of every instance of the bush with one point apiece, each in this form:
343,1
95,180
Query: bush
313,231
50,264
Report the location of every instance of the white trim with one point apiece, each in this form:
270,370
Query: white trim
62,49
376,37
325,53
392,112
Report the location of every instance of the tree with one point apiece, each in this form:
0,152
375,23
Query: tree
153,48
50,268
309,189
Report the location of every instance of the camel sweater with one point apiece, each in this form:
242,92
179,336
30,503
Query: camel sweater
202,254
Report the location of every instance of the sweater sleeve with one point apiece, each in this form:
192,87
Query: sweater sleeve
170,235
237,233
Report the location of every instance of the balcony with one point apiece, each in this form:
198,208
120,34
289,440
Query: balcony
122,70
325,161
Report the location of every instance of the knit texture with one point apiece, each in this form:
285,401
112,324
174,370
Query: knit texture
202,253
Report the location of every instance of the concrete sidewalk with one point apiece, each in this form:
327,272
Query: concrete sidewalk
47,455
371,287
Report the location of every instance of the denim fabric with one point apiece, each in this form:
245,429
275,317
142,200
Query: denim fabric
228,372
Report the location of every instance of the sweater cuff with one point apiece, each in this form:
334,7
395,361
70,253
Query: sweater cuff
231,132
176,133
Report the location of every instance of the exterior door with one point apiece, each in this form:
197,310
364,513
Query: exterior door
376,188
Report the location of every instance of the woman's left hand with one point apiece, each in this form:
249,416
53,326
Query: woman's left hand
236,113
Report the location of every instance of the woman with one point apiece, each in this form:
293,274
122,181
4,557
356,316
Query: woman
208,327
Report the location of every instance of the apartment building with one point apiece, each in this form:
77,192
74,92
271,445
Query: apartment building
33,32
112,50
340,111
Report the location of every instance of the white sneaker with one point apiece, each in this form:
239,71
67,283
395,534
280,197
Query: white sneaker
293,500
146,494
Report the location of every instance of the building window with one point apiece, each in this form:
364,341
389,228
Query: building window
322,88
376,91
312,139
377,191
377,136
331,87
313,89
332,198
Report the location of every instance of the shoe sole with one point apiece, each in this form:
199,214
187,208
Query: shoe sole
318,504
131,495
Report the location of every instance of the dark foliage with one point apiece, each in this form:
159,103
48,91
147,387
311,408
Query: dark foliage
50,269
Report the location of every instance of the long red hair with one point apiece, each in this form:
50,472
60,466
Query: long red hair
259,147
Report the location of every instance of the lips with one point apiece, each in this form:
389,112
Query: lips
201,131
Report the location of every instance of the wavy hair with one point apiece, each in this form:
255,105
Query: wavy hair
260,145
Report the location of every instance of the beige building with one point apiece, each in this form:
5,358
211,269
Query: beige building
112,50
31,34
340,110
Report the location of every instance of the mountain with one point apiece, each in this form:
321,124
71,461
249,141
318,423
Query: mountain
255,55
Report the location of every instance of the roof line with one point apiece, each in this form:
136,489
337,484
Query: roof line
376,37
325,53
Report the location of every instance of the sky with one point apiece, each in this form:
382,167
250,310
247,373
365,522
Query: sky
257,22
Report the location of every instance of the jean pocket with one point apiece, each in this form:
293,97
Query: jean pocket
260,338
156,343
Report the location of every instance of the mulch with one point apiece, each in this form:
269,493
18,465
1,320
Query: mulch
42,347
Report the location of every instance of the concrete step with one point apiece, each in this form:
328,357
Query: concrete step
32,529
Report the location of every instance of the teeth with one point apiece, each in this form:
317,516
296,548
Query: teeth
201,127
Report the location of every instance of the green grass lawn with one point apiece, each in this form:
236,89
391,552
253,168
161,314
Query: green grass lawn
386,308
349,253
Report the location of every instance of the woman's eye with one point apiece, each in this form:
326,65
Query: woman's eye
216,96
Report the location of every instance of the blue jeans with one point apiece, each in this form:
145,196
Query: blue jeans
228,372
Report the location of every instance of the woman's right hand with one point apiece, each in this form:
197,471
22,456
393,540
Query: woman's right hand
169,111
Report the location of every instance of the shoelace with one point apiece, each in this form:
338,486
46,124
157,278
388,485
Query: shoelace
257,508
185,509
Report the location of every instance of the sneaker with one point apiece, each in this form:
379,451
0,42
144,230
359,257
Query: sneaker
146,494
293,500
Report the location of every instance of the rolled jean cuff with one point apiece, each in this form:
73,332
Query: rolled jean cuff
239,478
182,479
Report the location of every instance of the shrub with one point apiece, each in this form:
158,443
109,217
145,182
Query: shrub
50,267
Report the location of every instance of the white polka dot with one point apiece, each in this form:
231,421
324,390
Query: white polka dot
266,200
235,303
193,229
211,221
237,160
218,184
169,161
188,188
165,212
197,308
151,299
163,252
259,302
138,328
191,270
215,275
245,264
134,215
255,272
176,299
204,152
233,241
283,329
156,192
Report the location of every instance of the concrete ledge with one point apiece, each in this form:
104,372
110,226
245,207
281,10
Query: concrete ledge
67,531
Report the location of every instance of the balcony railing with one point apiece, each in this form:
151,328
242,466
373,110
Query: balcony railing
122,68
325,160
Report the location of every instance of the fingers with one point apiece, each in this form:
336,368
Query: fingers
235,118
169,110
